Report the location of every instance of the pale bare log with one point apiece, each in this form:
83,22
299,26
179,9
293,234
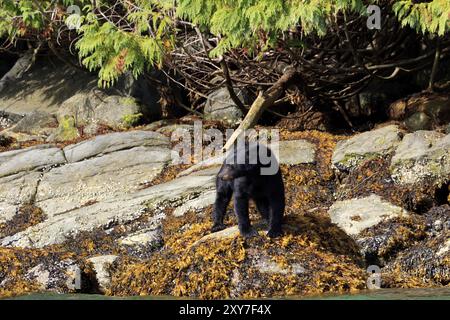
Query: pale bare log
261,103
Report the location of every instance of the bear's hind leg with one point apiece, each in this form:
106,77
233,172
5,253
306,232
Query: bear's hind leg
276,218
262,204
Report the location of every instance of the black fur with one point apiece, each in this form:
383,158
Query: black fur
246,181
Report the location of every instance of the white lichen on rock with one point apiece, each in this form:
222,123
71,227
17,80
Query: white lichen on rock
420,156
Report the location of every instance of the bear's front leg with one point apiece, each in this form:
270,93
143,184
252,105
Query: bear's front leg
241,210
223,197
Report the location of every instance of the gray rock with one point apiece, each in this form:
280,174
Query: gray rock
422,155
36,123
419,121
118,112
96,179
365,146
44,87
177,192
30,159
96,106
117,210
80,107
108,143
16,190
355,215
293,152
219,106
62,276
7,119
101,265
197,204
146,237
156,125
58,228
30,92
170,129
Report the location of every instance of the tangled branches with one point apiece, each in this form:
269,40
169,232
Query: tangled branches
334,68
118,36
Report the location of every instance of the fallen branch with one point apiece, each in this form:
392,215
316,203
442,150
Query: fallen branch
261,103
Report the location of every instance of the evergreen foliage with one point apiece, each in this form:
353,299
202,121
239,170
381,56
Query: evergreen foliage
249,23
116,36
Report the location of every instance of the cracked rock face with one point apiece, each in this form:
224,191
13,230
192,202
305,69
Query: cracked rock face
109,212
15,190
109,143
99,186
29,159
101,178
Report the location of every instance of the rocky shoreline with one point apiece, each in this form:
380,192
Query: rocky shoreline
87,217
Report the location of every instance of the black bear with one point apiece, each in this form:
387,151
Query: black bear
250,172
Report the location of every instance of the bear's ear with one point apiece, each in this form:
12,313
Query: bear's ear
227,173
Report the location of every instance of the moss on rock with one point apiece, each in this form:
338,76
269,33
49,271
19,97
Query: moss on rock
66,131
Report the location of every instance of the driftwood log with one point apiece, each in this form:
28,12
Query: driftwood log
262,102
